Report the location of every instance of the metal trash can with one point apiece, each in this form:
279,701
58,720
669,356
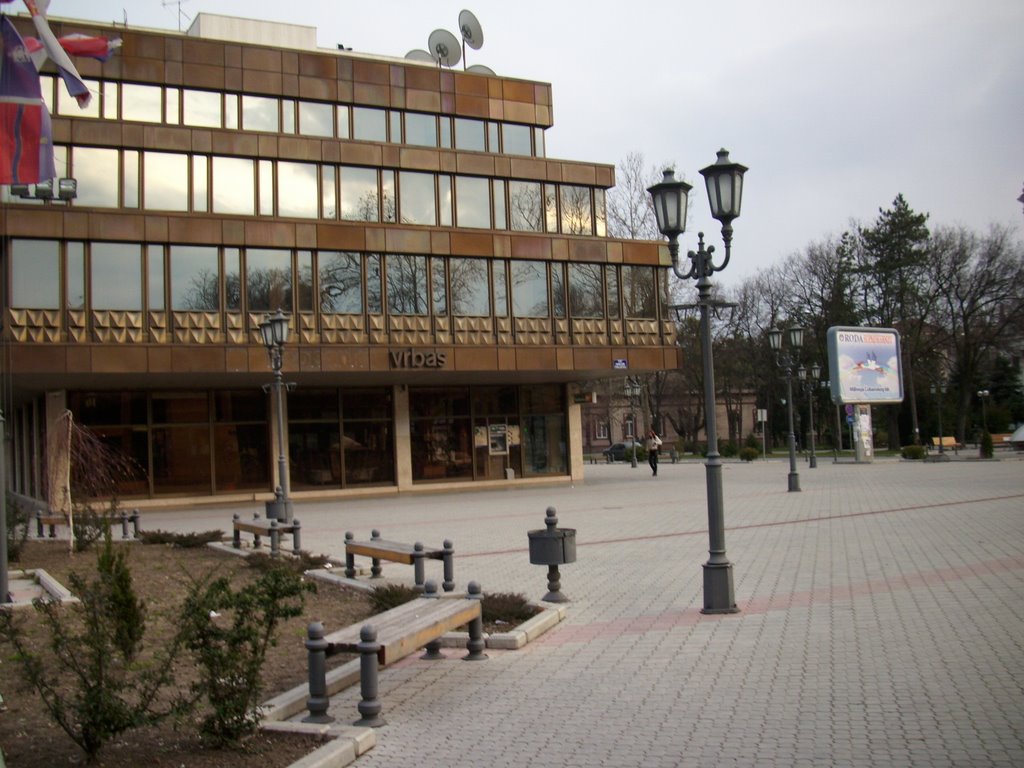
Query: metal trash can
553,546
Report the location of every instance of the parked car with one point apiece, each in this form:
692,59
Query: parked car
621,451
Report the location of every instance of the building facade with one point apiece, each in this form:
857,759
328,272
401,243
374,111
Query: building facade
448,286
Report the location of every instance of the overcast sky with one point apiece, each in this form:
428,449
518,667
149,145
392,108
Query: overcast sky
836,107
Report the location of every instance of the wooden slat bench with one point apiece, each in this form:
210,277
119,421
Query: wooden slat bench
49,521
947,441
379,549
259,527
392,636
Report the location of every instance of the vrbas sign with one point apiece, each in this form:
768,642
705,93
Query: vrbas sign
418,359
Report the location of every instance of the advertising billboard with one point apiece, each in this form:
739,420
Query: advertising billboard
864,365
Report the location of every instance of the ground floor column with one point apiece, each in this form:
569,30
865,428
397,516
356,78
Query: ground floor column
403,442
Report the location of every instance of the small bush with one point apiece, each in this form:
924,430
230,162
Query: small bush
18,522
912,452
728,449
297,564
985,448
388,596
752,441
89,526
180,540
507,607
749,454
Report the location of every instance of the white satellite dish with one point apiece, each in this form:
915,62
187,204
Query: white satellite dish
418,54
472,33
480,69
444,47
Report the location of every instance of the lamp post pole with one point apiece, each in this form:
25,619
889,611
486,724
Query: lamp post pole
939,390
5,593
810,388
274,331
787,360
724,182
632,392
983,395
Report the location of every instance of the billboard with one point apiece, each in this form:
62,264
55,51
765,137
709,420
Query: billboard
864,365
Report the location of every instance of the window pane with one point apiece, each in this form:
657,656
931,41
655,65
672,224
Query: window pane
576,214
165,178
538,140
420,130
201,108
110,100
234,185
444,199
500,289
515,139
439,286
470,295
141,102
231,111
600,214
611,276
75,255
525,207
328,193
155,268
232,279
373,284
529,289
68,107
638,291
360,197
200,184
343,132
195,278
446,131
95,169
304,269
259,113
586,290
407,285
492,138
266,187
469,135
296,190
550,208
172,99
417,202
369,124
316,118
116,276
395,126
287,116
35,274
130,182
387,197
500,221
558,289
268,275
473,207
341,282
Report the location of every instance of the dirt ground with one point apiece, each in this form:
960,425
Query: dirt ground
160,574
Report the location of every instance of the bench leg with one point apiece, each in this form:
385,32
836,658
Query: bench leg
417,565
275,539
236,538
350,559
375,569
296,547
318,700
475,645
369,706
448,558
433,651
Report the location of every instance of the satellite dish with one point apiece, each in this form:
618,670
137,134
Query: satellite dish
418,54
480,69
444,48
472,33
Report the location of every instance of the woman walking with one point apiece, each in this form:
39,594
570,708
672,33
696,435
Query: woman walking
653,444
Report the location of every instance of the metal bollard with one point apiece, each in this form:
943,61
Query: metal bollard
134,517
124,524
433,648
318,700
236,539
275,539
256,541
369,706
417,565
375,570
449,566
39,523
475,645
296,527
350,559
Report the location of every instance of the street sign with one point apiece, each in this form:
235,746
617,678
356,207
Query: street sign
849,419
620,363
849,409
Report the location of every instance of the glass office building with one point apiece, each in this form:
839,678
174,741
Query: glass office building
450,288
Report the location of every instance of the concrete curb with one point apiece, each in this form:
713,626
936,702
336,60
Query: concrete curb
347,742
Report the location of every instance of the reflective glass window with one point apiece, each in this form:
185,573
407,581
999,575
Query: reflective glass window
110,100
341,282
35,274
469,135
265,187
373,284
388,200
316,118
232,279
75,254
498,191
328,192
360,196
600,214
304,273
231,111
492,138
259,113
116,276
155,270
420,129
46,85
538,142
611,276
445,123
439,286
143,103
473,205
407,285
97,173
343,132
500,280
201,108
529,288
165,181
288,116
172,105
297,193
638,291
524,204
417,203
577,218
200,184
130,178
395,126
557,271
195,278
268,279
444,200
586,290
234,185
550,208
68,107
470,291
515,139
369,124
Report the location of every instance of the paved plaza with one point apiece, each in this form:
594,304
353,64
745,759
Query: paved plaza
881,623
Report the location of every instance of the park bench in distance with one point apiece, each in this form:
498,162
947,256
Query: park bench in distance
378,549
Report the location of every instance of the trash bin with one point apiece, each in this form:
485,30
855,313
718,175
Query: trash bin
553,546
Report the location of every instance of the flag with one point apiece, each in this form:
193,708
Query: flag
99,48
26,140
67,70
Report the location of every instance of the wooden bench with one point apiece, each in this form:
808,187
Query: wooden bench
259,527
49,521
392,636
378,549
946,442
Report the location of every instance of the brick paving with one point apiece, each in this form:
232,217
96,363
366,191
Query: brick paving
881,621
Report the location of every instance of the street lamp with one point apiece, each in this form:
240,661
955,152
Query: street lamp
938,391
724,182
810,387
787,361
632,390
274,330
983,395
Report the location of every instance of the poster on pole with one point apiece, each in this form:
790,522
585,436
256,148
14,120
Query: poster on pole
864,365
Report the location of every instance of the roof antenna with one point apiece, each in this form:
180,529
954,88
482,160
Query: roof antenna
165,4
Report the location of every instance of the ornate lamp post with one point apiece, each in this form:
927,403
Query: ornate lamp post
632,390
724,182
983,395
787,361
938,390
810,386
274,331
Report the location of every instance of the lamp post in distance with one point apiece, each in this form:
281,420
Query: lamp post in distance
810,388
274,331
724,182
787,361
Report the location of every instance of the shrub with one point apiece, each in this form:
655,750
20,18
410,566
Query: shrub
96,649
728,449
752,441
749,454
912,452
297,564
18,522
180,540
388,596
89,526
985,448
508,607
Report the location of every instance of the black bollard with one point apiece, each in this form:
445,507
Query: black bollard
369,706
318,700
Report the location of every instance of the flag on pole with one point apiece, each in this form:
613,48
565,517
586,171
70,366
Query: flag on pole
99,48
26,139
76,87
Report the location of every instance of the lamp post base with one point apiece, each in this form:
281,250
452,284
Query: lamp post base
814,462
794,481
280,510
718,593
